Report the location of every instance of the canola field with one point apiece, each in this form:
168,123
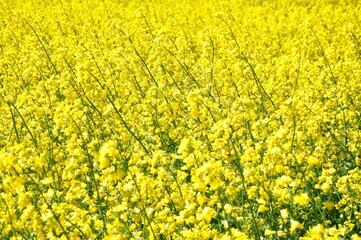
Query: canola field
180,119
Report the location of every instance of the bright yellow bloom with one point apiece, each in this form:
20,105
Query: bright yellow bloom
329,205
268,232
180,119
295,225
263,208
302,199
317,232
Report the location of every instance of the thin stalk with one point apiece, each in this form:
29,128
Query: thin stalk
185,68
43,47
143,208
241,172
26,126
14,125
324,56
127,126
258,82
10,218
144,63
92,175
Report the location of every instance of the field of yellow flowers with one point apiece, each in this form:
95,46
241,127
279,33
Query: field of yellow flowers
180,119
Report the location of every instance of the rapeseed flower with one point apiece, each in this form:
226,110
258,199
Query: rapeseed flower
301,199
180,119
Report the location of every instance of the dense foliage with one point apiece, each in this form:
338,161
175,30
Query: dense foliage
180,119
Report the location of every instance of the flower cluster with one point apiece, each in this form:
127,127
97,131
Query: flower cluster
180,119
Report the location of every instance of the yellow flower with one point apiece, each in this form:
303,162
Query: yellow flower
317,232
47,181
329,206
313,161
284,213
184,147
325,187
268,232
275,151
262,208
295,225
355,237
225,224
228,208
301,199
104,162
201,199
207,214
284,180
